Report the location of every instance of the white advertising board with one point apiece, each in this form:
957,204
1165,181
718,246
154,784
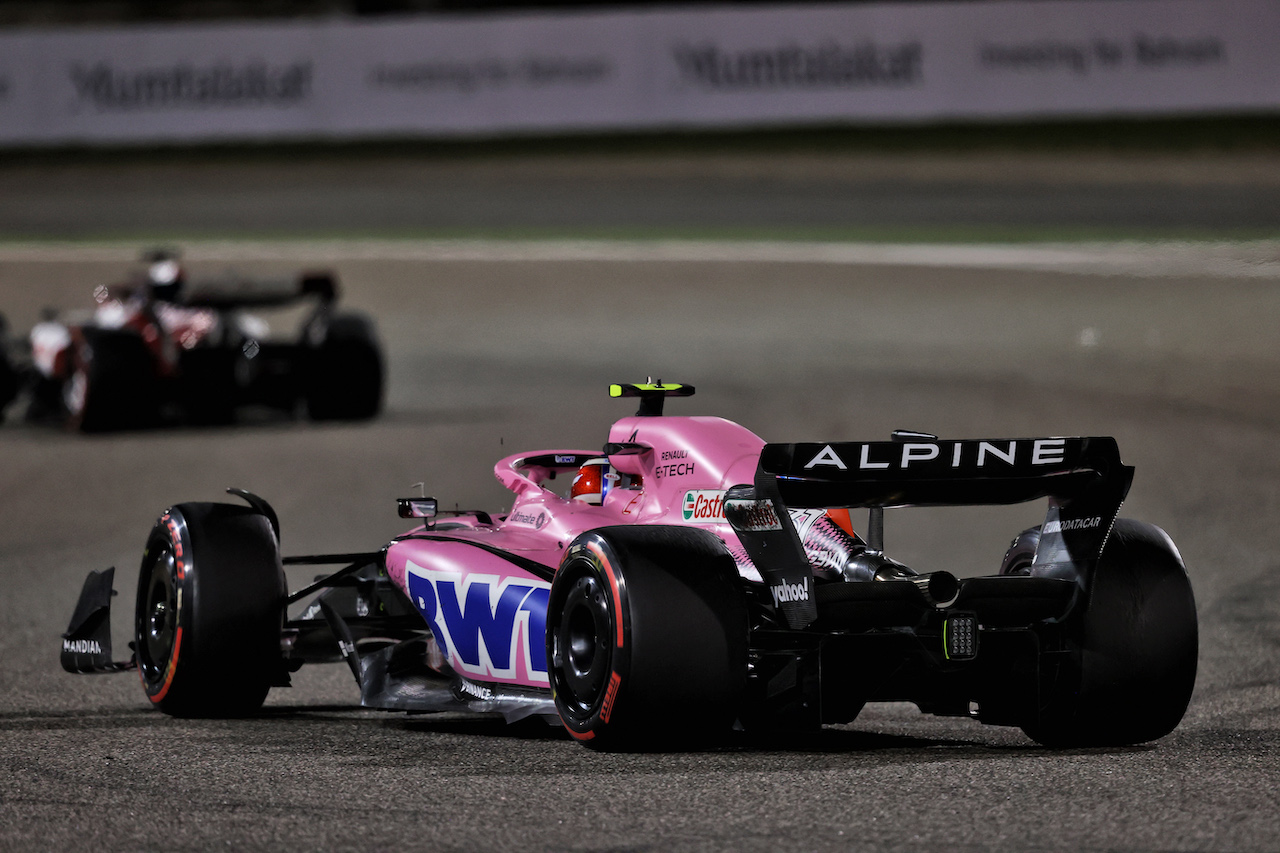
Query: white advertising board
565,72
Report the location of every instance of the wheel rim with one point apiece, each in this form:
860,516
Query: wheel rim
583,653
157,618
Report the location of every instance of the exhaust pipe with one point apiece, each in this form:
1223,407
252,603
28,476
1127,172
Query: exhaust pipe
939,588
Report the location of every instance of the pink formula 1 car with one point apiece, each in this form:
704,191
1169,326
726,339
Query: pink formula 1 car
689,580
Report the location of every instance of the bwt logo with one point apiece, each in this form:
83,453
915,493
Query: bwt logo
488,625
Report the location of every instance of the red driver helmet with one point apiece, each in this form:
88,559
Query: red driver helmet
592,481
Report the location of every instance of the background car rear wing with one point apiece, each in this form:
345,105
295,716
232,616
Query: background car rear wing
1082,477
233,291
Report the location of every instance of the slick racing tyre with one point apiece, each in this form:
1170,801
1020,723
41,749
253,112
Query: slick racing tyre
10,379
207,386
112,384
1131,677
1022,553
210,607
646,637
343,374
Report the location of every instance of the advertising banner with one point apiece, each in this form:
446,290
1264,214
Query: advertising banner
493,74
442,76
971,60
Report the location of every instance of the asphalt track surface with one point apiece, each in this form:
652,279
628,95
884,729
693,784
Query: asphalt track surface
1009,194
494,348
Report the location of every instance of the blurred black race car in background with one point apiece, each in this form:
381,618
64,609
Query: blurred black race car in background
157,349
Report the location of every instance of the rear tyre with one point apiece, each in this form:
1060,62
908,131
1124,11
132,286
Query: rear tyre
209,613
1132,676
208,385
113,383
646,637
1022,553
343,372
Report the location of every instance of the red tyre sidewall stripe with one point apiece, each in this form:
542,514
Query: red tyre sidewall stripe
175,538
173,667
592,725
606,709
613,583
587,735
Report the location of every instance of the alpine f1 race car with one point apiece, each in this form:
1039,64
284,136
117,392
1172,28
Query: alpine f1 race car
157,349
691,580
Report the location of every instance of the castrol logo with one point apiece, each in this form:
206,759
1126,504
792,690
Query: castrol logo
706,506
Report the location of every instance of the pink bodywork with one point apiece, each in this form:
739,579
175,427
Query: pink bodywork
487,612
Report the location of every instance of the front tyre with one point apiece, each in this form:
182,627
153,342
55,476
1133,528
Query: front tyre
1131,678
646,637
209,613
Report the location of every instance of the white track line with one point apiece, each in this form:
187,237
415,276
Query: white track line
1259,259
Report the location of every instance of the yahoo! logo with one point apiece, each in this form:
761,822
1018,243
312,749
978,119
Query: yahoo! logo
788,592
488,625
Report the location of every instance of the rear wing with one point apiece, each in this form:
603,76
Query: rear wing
942,473
232,292
1082,477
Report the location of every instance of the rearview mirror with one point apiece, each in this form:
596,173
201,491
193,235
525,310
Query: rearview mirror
417,507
